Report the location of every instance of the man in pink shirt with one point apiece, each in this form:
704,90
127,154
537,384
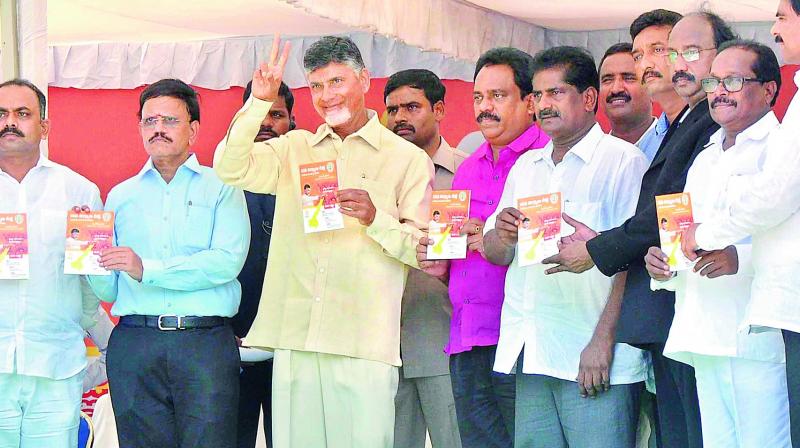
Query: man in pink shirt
503,108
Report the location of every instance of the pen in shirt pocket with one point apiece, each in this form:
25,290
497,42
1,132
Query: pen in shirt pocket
188,207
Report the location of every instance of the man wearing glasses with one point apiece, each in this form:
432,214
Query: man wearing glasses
643,317
181,237
741,377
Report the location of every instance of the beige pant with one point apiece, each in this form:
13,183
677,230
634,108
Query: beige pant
331,401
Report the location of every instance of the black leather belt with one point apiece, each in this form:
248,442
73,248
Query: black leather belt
170,322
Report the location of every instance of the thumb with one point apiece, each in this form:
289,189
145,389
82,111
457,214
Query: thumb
573,222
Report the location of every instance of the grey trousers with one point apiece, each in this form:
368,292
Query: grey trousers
551,414
425,404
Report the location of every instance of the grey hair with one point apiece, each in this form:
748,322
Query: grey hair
329,49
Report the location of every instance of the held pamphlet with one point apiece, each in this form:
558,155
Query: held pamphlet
89,233
540,228
14,263
449,212
319,182
674,217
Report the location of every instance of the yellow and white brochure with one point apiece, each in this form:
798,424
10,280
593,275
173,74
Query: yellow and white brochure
449,212
674,217
14,263
89,233
540,228
318,185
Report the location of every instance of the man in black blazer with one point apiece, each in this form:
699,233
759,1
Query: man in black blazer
255,379
643,317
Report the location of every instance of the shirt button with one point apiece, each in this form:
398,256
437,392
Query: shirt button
317,299
491,202
466,301
165,247
165,218
327,240
496,177
463,273
321,269
166,193
169,305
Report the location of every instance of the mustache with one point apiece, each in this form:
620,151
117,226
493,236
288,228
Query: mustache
621,95
11,130
548,113
487,116
683,75
267,130
778,39
160,135
723,100
398,127
650,72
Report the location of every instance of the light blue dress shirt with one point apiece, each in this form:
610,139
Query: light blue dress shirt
192,235
651,140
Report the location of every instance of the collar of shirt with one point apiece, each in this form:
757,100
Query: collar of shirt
445,157
190,163
757,131
662,124
42,162
370,132
797,78
584,149
653,128
525,141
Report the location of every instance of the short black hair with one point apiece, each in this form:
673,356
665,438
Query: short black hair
173,88
436,212
417,78
766,66
622,47
74,230
25,83
722,31
577,63
521,64
329,49
656,17
795,6
283,91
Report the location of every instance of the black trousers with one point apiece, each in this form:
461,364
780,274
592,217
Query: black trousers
255,395
792,342
678,410
174,388
484,399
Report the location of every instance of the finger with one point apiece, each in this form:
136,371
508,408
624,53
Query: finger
581,389
597,381
556,270
117,267
573,222
425,241
702,263
553,259
713,271
284,56
606,377
276,45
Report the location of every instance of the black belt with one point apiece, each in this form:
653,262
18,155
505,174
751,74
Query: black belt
169,322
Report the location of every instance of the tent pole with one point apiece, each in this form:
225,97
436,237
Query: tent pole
9,32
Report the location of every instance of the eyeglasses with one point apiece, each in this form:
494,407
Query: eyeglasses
689,54
731,83
166,120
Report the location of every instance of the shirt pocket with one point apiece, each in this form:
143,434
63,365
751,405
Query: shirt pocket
383,197
196,232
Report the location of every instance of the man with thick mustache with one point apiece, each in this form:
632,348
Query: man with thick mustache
643,317
503,107
741,377
768,210
43,317
255,379
181,237
624,99
414,108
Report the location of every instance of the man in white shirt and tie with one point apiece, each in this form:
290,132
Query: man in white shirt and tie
43,317
547,330
769,210
741,377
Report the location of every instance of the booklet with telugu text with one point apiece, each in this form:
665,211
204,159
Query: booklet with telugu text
449,212
14,263
89,233
674,217
540,228
319,182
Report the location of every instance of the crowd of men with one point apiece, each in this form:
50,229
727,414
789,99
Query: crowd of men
375,345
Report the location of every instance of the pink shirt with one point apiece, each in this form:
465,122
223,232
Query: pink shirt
476,286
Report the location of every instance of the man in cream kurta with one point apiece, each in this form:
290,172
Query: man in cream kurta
332,310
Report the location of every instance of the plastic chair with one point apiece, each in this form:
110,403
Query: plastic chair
85,432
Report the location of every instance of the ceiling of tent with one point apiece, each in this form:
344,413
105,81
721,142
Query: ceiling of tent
85,21
611,14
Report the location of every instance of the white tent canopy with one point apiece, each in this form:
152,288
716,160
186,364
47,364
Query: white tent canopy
214,44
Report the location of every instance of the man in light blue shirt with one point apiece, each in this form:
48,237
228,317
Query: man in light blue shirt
42,317
181,239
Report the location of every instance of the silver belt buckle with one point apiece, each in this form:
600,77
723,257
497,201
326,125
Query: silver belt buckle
161,327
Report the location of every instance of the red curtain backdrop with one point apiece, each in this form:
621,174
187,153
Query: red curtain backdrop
95,132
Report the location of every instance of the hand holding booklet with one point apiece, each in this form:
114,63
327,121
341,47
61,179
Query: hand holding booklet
674,217
14,263
540,228
88,234
449,212
319,183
